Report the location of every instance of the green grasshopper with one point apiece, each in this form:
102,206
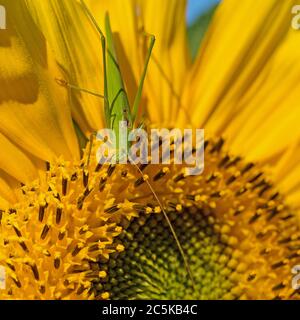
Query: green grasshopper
116,104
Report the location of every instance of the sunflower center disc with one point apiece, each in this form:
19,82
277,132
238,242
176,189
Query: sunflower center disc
87,231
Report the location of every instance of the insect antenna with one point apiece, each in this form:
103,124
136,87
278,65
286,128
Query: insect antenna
103,44
64,83
179,246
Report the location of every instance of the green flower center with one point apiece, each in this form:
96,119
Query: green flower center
151,266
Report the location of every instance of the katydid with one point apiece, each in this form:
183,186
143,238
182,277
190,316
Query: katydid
116,104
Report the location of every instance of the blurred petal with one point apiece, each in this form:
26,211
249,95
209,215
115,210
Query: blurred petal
33,107
170,60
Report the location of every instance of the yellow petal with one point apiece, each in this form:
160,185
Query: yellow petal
170,60
34,109
269,115
14,162
242,74
287,173
77,48
6,192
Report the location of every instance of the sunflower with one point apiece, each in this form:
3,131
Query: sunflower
71,228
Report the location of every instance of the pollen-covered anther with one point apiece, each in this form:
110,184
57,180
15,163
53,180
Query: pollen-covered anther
120,248
141,180
105,295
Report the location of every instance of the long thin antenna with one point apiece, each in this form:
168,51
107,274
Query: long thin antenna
137,99
64,83
103,44
186,263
